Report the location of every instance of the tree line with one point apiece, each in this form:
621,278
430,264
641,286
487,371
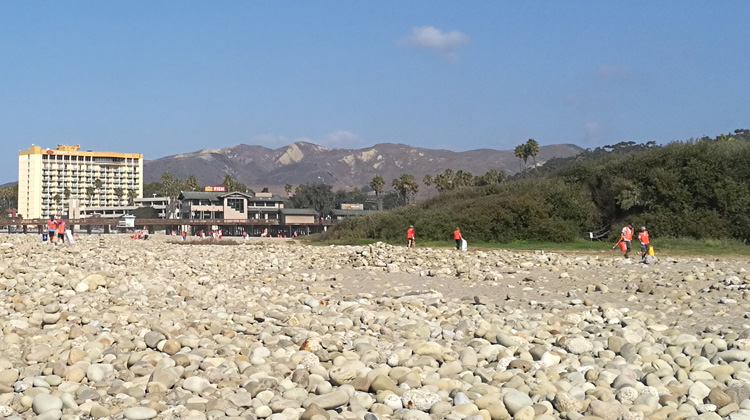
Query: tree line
698,188
170,186
8,199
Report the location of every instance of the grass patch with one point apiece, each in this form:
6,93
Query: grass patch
662,246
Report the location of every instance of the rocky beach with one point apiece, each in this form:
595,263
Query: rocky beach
264,329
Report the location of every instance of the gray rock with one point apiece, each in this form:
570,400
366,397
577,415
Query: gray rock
606,410
152,338
46,402
98,372
50,415
314,410
195,384
730,356
514,400
461,398
579,345
139,413
8,376
328,401
419,399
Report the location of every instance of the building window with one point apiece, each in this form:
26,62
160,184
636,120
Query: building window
237,204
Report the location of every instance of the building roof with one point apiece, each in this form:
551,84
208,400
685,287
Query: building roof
214,196
298,212
222,195
108,208
271,198
352,212
149,199
199,195
74,150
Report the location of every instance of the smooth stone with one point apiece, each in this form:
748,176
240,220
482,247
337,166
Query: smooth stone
46,402
525,413
328,401
195,384
139,413
50,415
514,400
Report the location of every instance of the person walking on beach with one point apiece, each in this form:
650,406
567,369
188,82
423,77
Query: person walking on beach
626,237
410,237
645,242
458,238
61,231
51,229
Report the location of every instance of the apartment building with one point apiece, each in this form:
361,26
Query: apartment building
48,179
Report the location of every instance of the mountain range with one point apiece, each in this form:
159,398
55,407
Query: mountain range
303,162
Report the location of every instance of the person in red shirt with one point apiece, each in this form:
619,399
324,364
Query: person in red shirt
51,229
626,237
61,231
410,237
458,238
645,242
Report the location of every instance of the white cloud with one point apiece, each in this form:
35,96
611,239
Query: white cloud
431,38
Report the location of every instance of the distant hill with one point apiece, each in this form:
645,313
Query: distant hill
302,162
8,184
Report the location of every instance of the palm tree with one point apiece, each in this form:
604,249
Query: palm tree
231,185
376,183
406,186
191,183
532,148
445,181
119,191
166,183
491,177
90,194
412,187
463,179
520,153
98,185
288,189
132,194
427,181
58,199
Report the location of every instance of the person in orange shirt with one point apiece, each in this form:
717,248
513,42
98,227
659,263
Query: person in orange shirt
61,231
410,237
626,237
458,238
645,242
51,229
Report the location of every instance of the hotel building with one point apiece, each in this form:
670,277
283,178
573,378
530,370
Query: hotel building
49,180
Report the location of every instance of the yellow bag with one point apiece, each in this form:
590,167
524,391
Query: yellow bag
650,250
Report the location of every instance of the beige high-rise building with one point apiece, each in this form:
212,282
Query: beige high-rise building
49,179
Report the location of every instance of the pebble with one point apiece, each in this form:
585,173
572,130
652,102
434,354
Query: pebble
45,402
269,330
514,400
139,413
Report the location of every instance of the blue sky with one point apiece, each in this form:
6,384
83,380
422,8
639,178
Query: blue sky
161,78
